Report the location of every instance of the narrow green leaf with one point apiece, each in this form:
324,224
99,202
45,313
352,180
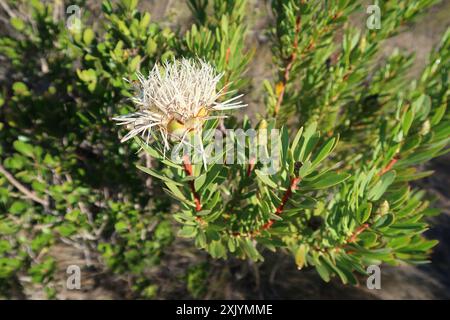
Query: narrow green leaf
323,272
199,181
297,139
265,179
364,213
157,175
172,186
407,121
328,180
378,190
384,221
324,152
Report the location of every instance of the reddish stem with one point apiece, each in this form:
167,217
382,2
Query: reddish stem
227,56
289,66
227,76
357,232
292,187
188,169
389,166
251,166
363,227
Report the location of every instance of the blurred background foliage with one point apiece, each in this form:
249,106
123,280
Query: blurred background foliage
69,191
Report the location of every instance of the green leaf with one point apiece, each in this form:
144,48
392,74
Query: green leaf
439,113
172,186
20,89
217,249
38,186
199,181
151,151
300,152
231,244
24,148
88,36
203,212
121,226
384,221
327,180
265,179
431,212
364,213
411,226
187,232
308,146
424,245
72,215
300,256
130,5
305,169
212,174
151,47
212,234
323,272
17,23
410,176
422,106
18,207
249,248
284,144
134,64
407,121
379,189
324,152
297,139
157,175
145,20
368,239
332,266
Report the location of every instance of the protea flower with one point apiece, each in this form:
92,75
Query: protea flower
175,100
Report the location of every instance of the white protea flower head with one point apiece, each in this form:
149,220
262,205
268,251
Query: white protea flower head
175,100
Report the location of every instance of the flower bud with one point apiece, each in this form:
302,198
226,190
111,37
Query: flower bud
384,208
425,128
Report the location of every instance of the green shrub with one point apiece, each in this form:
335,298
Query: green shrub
353,132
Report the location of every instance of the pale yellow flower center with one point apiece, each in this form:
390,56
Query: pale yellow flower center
177,128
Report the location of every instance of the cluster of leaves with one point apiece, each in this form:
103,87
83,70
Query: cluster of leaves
220,39
64,176
341,197
341,200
